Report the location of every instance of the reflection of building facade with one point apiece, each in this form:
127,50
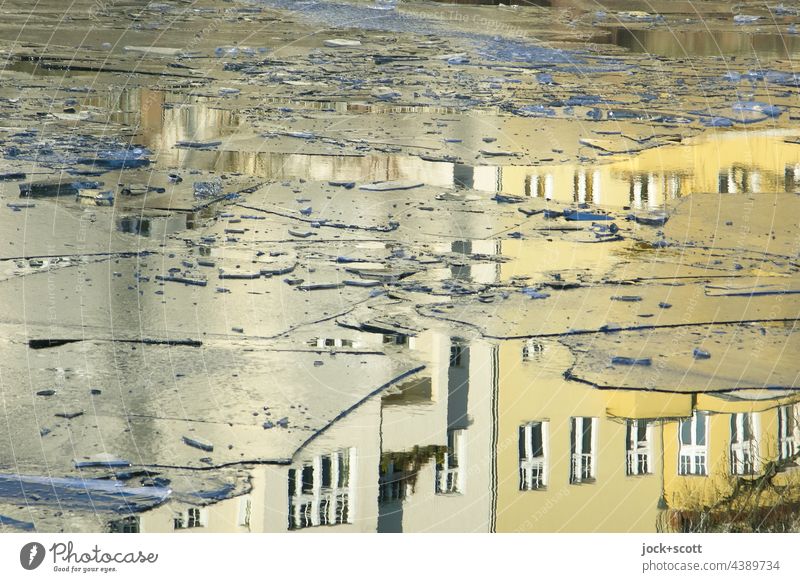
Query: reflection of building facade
494,438
711,456
726,163
451,420
582,463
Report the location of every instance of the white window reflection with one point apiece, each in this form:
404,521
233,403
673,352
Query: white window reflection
693,441
533,447
744,444
583,450
788,431
450,473
191,518
321,491
639,447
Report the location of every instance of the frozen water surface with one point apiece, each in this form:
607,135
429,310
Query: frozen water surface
381,266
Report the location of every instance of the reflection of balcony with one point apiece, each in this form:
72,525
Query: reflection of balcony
582,468
447,481
532,474
395,488
449,478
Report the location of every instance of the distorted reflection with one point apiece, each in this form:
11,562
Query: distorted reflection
320,491
678,43
489,440
725,162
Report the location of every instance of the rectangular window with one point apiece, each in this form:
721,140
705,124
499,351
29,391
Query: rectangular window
583,450
788,431
456,355
320,491
533,455
130,524
532,350
397,339
638,447
693,445
244,512
450,476
191,518
744,444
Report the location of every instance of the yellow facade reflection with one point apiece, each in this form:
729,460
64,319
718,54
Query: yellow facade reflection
494,438
725,162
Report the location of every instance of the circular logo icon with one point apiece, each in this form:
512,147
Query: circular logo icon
31,555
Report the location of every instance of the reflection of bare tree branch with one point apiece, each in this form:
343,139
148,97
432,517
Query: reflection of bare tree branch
754,504
402,468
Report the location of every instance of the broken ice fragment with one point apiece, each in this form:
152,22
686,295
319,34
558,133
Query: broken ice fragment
758,106
69,415
12,176
391,185
533,111
535,293
6,521
717,122
507,199
341,43
700,354
577,215
183,279
198,443
49,188
386,94
499,153
358,283
210,189
318,286
195,145
118,159
64,493
653,219
160,51
101,460
624,361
